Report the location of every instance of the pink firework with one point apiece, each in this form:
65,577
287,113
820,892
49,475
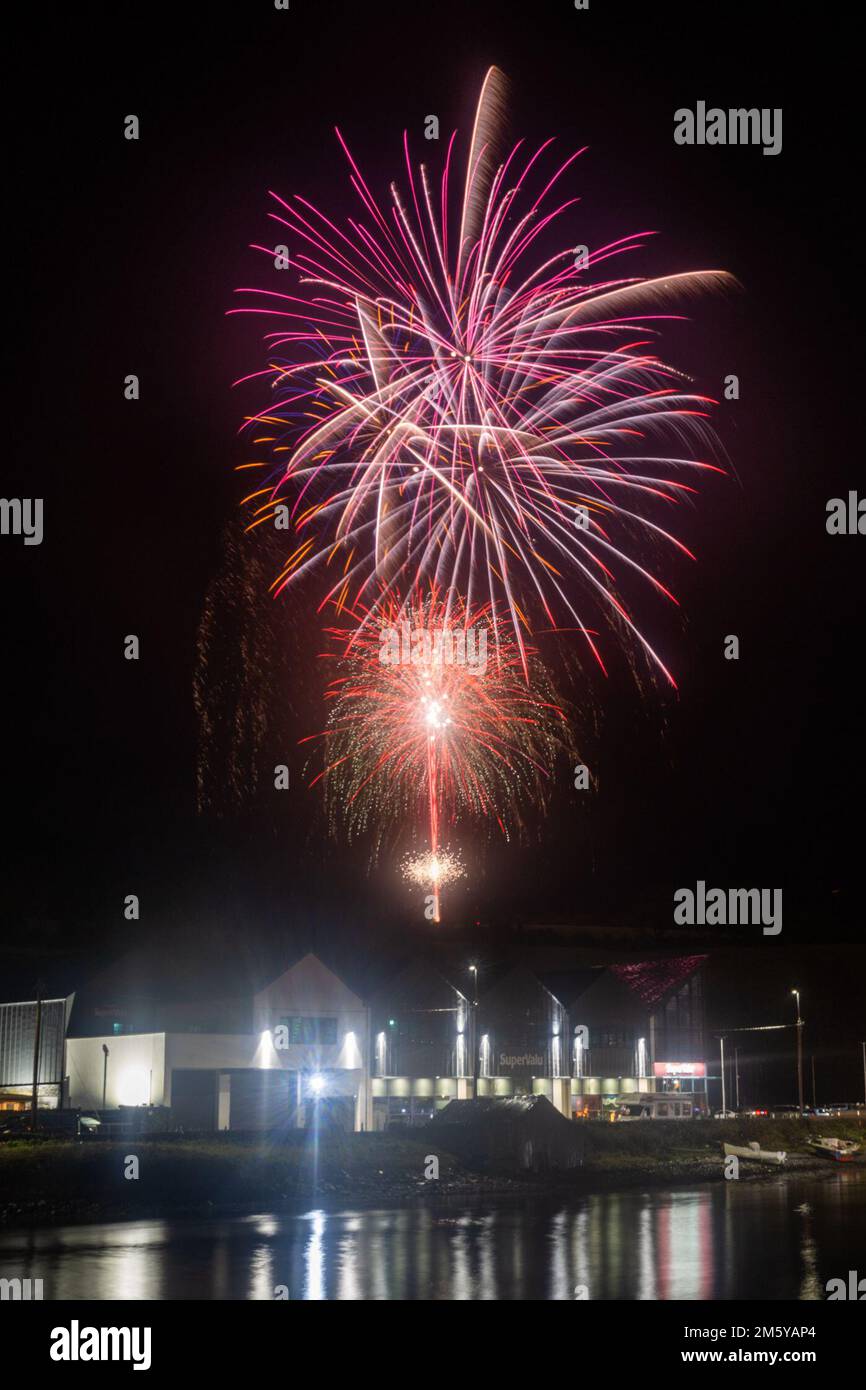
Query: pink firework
454,405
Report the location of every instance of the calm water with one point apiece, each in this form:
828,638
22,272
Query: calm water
782,1239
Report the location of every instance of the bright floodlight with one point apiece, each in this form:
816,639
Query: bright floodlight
317,1084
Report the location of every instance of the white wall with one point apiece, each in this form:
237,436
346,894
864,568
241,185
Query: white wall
311,990
136,1070
140,1066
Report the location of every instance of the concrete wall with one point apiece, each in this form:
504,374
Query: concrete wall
135,1074
141,1066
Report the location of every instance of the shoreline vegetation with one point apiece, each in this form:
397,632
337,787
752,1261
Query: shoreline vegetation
55,1182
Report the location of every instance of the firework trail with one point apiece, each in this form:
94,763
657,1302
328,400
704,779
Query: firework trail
453,405
431,720
246,653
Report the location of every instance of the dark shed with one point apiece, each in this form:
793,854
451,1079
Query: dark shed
526,1132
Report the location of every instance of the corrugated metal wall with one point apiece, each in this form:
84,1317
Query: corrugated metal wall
17,1035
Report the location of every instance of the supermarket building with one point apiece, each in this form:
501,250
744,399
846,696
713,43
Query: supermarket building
306,1044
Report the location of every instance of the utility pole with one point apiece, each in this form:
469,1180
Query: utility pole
737,1076
796,994
37,1039
474,1031
104,1073
722,1046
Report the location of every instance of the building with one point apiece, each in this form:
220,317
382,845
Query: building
221,1047
588,1038
423,1030
638,1028
18,1029
305,1044
523,1040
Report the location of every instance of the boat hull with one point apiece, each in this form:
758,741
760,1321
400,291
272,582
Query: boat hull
756,1155
835,1151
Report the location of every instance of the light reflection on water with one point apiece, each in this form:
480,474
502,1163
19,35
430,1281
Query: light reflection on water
778,1240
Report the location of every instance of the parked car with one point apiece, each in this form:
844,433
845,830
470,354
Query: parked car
659,1106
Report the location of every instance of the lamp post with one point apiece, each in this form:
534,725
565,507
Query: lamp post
796,994
104,1073
473,970
722,1049
37,1038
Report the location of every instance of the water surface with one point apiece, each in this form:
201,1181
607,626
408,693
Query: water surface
780,1239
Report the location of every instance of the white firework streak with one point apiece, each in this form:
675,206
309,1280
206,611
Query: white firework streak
449,412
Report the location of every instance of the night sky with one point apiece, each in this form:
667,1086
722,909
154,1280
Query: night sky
125,259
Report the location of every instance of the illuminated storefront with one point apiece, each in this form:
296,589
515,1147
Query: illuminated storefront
626,1018
306,1046
303,1055
424,1033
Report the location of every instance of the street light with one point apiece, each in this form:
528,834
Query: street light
758,1028
473,970
796,994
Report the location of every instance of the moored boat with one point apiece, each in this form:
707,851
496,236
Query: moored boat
754,1152
840,1150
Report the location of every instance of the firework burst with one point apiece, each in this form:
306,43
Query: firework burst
444,867
433,720
433,871
452,405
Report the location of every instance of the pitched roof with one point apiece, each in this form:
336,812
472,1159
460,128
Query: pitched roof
568,985
653,980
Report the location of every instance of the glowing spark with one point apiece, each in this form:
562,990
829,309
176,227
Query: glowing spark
434,871
445,866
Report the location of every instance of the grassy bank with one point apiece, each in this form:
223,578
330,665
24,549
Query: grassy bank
55,1178
679,1150
54,1181
660,1139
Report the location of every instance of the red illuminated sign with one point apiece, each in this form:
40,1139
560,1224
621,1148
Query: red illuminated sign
679,1068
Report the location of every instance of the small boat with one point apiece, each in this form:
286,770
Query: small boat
755,1152
840,1150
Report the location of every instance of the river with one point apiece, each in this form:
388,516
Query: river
778,1239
